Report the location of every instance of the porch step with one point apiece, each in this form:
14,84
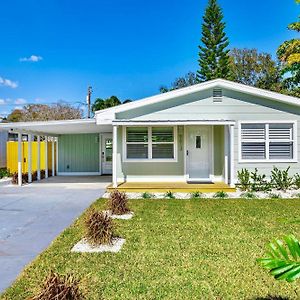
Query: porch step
176,187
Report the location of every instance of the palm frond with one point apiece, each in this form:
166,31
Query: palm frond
283,259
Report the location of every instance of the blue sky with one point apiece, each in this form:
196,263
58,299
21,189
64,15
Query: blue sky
52,50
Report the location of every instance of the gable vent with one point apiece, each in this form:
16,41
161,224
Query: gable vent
217,95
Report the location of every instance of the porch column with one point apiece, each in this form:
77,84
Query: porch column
232,175
38,157
53,157
46,157
56,144
29,158
20,159
226,128
114,159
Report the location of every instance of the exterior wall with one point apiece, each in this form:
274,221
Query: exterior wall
218,151
78,153
235,106
3,140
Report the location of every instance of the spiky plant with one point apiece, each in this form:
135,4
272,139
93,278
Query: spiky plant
147,195
59,287
221,195
169,195
283,261
248,195
118,203
196,195
99,228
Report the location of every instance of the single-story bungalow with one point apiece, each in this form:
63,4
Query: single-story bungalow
203,133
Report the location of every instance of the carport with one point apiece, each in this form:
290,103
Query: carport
82,147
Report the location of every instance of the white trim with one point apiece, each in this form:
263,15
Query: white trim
184,153
226,160
153,178
57,155
114,159
212,171
268,160
171,123
77,173
150,159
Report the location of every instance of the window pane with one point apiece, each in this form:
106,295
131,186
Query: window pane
162,134
137,151
281,150
137,134
108,150
162,151
280,131
253,131
253,151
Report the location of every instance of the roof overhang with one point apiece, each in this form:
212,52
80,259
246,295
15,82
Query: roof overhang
55,128
173,122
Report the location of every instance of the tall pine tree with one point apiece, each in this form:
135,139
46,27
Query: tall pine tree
213,55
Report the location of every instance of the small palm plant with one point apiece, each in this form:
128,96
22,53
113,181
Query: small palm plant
147,195
196,195
169,195
283,261
118,203
221,195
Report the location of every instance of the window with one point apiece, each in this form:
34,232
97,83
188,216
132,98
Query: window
267,141
150,143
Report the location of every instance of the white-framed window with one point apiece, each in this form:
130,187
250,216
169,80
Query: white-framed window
267,141
149,143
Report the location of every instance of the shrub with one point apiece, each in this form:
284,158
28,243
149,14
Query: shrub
221,195
248,195
297,181
281,179
244,179
99,228
274,196
4,173
59,288
118,203
169,195
147,195
259,182
196,195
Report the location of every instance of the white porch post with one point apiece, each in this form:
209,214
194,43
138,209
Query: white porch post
56,155
20,159
232,175
38,157
53,158
46,157
226,128
29,158
114,162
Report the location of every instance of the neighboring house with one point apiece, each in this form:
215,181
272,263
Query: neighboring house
3,140
206,132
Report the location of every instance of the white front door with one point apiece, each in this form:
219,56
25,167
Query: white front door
199,148
106,153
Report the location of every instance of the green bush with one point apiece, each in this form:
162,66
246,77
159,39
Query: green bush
196,195
244,179
221,195
248,195
4,173
169,195
147,195
297,181
274,196
280,179
259,182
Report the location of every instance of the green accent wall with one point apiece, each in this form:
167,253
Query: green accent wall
218,150
78,153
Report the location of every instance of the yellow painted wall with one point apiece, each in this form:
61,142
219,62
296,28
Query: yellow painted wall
12,156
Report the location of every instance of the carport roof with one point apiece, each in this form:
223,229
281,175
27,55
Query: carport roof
55,128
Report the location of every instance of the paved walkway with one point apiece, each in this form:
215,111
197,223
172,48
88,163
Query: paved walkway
33,215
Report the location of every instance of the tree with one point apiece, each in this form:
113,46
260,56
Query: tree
101,104
44,112
189,79
289,55
213,56
248,66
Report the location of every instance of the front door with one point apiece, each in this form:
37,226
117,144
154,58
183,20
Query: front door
198,154
106,154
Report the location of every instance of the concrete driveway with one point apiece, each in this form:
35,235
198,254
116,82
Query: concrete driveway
33,215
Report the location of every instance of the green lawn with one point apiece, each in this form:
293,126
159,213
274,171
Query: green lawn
176,249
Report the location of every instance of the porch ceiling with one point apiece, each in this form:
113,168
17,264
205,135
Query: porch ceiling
55,128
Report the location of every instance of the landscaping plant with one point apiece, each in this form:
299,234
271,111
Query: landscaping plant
4,173
280,179
248,195
99,228
57,287
297,181
221,195
283,261
274,196
118,203
259,182
244,179
196,195
147,195
169,195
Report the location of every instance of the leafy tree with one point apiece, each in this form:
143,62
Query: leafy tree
101,104
213,56
248,66
189,79
44,112
289,55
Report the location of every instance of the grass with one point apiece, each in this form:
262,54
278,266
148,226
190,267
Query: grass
176,249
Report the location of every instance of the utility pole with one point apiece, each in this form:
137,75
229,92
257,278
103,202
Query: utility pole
88,101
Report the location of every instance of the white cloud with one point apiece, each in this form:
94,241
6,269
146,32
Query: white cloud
32,58
20,101
18,107
8,82
2,102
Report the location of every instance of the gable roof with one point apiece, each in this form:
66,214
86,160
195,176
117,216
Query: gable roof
216,83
